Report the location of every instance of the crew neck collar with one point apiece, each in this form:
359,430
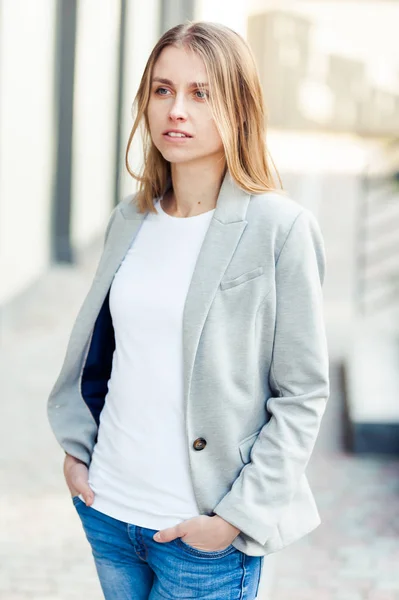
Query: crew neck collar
168,216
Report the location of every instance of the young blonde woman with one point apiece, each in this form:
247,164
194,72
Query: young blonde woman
196,374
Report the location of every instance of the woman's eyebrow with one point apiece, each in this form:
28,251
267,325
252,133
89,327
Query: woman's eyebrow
169,82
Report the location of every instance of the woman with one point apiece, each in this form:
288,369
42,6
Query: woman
196,374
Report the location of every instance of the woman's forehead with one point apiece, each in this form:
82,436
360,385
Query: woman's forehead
180,66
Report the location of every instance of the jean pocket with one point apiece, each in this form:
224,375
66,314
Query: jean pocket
76,500
204,553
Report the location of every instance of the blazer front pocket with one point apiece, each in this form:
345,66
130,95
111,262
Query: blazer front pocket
243,278
245,446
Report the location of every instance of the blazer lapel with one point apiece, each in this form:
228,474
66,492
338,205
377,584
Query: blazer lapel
221,239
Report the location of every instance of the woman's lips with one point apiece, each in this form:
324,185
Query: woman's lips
175,139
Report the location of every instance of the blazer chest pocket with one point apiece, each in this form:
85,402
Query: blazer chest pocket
245,447
243,278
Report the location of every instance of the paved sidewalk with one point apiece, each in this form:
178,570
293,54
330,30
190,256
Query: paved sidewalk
43,552
44,555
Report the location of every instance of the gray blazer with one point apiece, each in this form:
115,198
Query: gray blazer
256,372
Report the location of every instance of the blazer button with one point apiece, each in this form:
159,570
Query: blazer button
199,444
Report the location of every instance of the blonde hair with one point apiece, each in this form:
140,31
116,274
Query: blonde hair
236,101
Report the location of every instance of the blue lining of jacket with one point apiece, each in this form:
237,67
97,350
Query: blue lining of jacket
98,366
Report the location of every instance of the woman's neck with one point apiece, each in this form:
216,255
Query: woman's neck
193,192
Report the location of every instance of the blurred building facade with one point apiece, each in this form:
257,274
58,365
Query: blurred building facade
308,90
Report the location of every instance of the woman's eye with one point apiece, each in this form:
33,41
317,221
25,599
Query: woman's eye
159,89
202,92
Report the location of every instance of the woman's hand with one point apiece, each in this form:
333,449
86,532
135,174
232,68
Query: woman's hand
76,476
203,532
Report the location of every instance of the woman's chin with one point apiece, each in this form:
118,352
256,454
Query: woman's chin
174,156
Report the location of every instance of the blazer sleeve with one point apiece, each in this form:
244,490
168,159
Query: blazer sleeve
299,382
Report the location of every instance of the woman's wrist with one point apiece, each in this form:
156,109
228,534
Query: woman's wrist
227,525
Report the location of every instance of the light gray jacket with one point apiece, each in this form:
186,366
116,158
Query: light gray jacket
256,372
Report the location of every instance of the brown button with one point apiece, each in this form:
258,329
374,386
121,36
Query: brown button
199,444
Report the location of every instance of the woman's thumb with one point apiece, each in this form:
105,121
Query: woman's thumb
87,494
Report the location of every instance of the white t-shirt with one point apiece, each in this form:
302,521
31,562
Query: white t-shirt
140,471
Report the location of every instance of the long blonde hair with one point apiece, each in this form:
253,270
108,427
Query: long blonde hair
236,101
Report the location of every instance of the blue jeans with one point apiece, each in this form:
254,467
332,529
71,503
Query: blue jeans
132,566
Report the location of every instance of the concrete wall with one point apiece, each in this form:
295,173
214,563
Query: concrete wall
95,98
26,140
142,34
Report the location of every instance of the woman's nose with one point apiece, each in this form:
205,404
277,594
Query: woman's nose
178,110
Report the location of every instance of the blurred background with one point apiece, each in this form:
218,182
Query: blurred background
69,71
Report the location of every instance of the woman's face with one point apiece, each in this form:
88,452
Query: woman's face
177,103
